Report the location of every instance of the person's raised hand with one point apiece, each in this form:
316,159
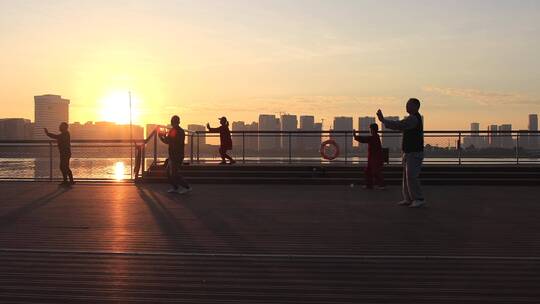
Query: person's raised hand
380,115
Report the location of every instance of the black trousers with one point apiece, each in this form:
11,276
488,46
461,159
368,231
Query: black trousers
64,167
173,174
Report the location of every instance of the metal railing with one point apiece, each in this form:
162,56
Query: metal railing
289,147
96,159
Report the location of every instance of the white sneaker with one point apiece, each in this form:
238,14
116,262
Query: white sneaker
172,190
417,204
184,190
404,203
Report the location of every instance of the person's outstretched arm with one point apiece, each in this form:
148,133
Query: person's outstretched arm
51,135
409,122
212,129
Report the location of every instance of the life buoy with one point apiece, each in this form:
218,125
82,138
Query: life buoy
328,143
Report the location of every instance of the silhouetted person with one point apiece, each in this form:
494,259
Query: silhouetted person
63,141
413,152
225,140
175,138
375,157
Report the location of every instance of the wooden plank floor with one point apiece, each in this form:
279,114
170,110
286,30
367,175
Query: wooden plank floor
123,243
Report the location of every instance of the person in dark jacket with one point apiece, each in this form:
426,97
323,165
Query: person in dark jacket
63,141
175,139
413,152
225,140
375,157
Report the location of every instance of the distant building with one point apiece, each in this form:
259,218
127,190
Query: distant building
505,139
270,141
49,112
344,141
104,130
250,140
493,136
289,123
201,138
392,141
474,140
310,142
16,129
534,139
475,129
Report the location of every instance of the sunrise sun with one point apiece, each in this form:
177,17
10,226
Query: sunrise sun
114,107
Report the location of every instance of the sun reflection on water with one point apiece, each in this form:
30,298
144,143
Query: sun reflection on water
119,169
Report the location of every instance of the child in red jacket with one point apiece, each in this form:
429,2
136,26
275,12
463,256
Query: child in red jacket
375,157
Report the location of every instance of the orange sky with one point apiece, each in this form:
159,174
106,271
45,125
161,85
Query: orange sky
465,61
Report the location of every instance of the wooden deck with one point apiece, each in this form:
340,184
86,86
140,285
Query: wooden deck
123,243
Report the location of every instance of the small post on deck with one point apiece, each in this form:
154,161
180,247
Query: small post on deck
198,147
191,148
346,146
155,145
459,148
517,148
290,148
50,160
243,147
143,160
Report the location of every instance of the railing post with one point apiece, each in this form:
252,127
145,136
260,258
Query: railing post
459,148
198,148
517,148
191,148
346,147
50,161
290,148
243,147
143,160
155,146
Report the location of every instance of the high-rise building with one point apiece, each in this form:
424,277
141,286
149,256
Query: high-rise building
199,138
238,139
269,141
289,123
344,141
392,141
310,142
364,123
493,136
475,129
474,140
15,128
505,139
534,138
49,112
250,140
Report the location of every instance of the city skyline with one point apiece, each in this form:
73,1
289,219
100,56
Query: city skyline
464,60
51,109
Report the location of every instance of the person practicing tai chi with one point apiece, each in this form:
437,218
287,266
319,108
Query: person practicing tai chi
225,140
63,141
375,157
412,128
175,139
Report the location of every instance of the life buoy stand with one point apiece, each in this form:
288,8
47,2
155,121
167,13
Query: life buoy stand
329,143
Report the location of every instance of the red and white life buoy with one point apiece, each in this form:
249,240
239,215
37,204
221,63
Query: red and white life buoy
329,143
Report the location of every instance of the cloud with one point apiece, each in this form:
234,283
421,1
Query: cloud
482,97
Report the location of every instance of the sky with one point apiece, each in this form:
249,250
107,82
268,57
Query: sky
465,60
